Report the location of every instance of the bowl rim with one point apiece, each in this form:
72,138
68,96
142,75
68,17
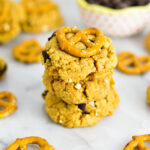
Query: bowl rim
111,11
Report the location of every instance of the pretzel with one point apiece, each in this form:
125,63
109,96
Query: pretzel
4,10
28,51
22,144
10,106
131,64
68,46
138,142
38,6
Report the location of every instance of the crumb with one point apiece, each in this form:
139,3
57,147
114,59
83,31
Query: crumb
78,86
70,80
92,104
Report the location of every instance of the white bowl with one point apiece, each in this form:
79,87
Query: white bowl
115,22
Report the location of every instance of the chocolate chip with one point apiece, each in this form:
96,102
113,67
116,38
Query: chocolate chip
3,70
82,107
54,34
44,93
142,2
45,55
119,4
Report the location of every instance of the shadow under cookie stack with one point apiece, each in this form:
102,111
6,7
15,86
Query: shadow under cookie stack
79,89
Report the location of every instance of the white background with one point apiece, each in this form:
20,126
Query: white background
132,117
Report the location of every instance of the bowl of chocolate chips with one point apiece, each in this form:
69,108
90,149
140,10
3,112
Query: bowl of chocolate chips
116,18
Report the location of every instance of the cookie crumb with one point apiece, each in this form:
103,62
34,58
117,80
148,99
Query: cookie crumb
92,104
60,121
78,86
70,80
101,67
106,81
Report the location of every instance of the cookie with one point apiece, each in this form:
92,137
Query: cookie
18,12
93,87
28,51
81,115
3,68
75,68
9,30
9,21
148,95
42,16
147,42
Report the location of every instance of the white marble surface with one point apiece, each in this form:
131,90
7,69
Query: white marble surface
132,117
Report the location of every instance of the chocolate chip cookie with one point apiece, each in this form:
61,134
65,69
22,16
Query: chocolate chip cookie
78,77
42,16
11,16
80,115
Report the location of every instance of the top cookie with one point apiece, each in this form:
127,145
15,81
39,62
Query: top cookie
67,66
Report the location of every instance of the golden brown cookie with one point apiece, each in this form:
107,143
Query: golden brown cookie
3,68
76,68
22,143
10,20
28,51
42,16
80,115
18,12
38,6
147,42
93,87
148,95
9,30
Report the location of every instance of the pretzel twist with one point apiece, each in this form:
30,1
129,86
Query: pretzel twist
10,106
131,64
22,144
28,51
68,46
138,142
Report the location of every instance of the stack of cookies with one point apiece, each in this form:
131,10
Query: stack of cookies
79,82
